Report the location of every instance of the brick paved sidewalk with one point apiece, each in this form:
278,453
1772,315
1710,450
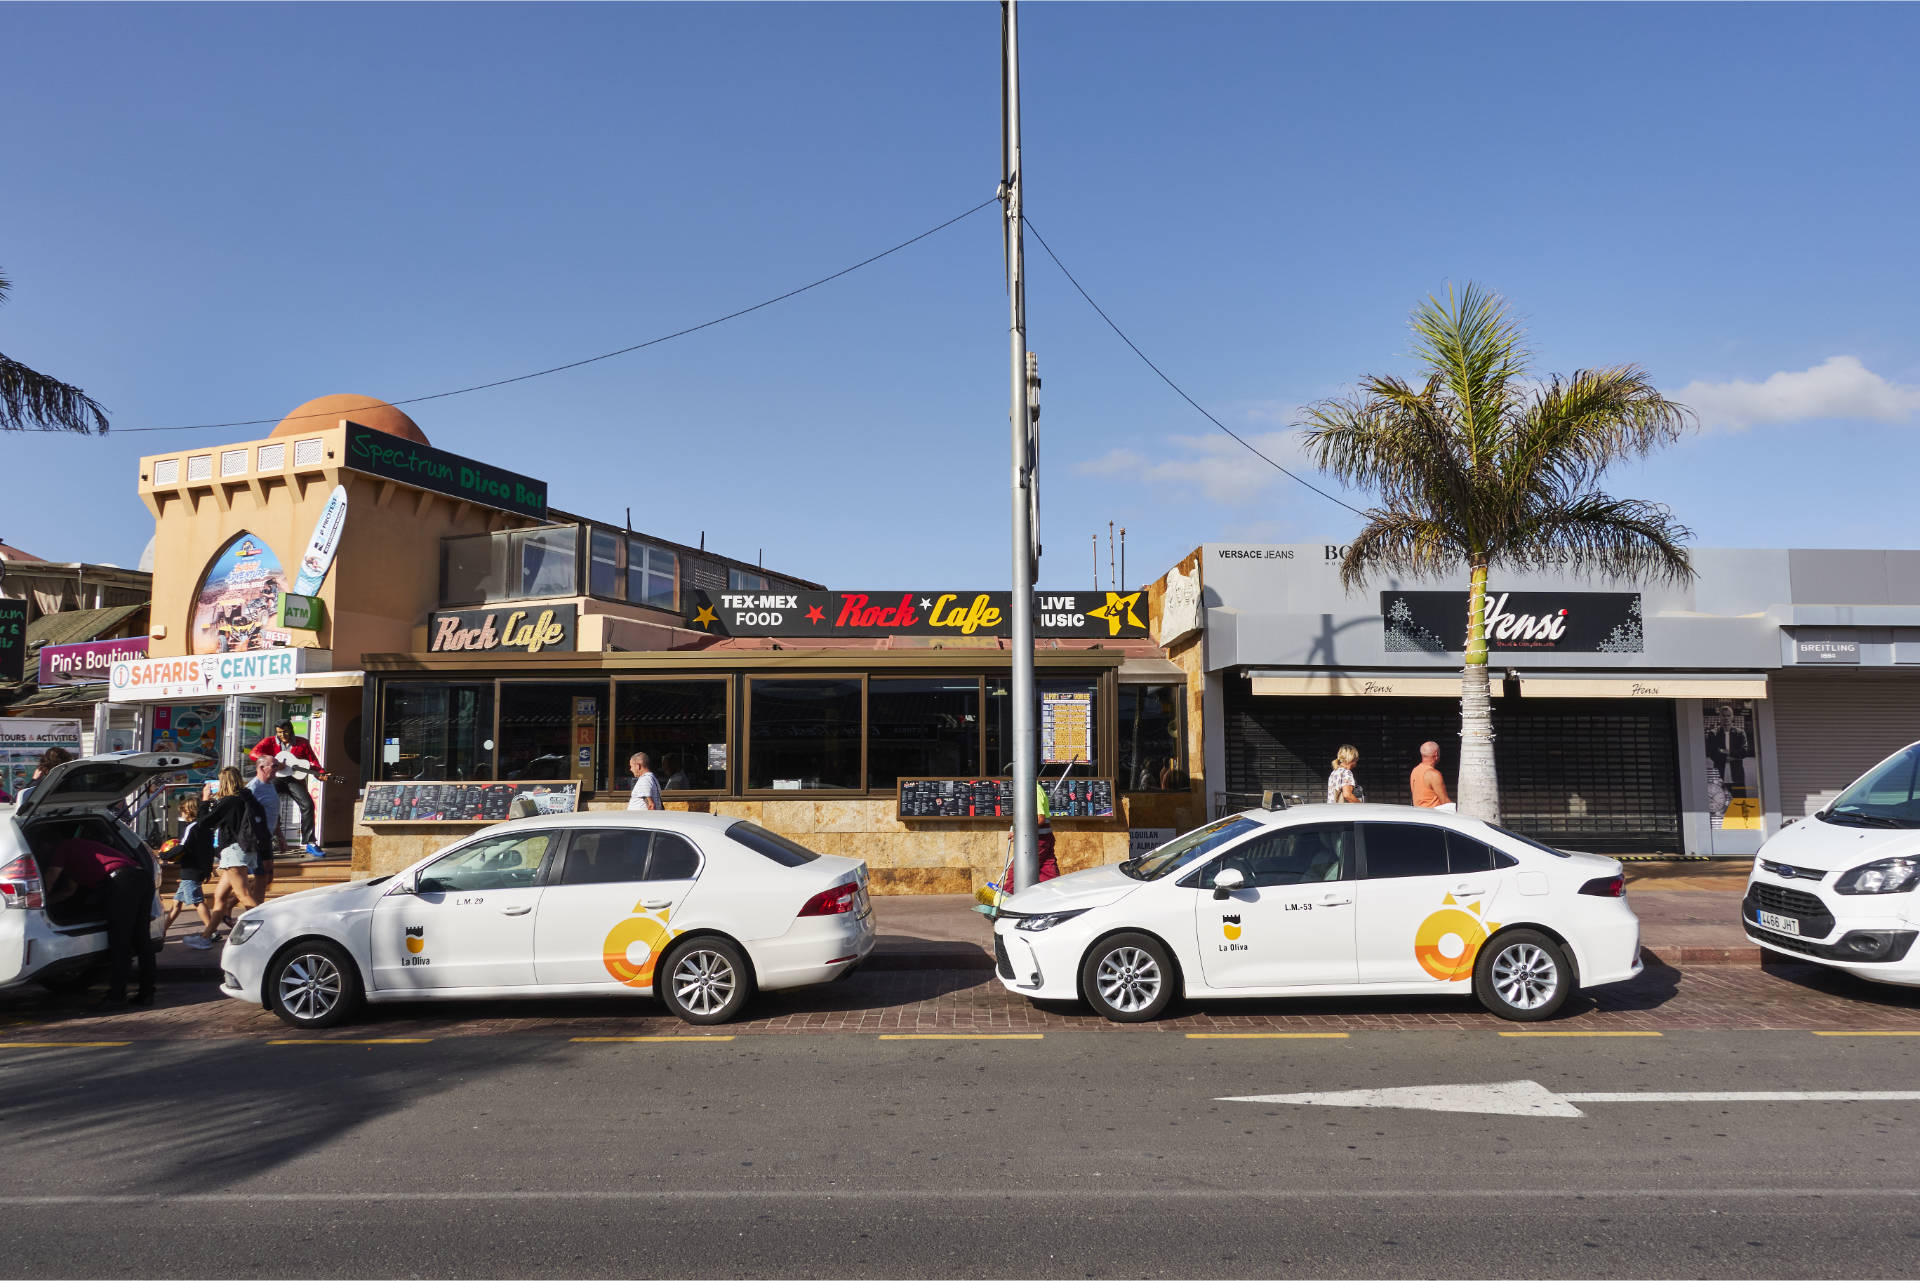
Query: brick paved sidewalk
1788,995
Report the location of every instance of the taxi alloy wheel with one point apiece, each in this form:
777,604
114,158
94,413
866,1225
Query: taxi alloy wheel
1128,978
704,980
1523,975
313,984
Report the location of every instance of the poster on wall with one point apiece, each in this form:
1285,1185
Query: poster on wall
1066,727
22,741
318,558
237,598
1733,765
190,727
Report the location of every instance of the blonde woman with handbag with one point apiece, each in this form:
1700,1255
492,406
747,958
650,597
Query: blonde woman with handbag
1341,789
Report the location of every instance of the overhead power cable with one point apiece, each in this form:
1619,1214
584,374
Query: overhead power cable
651,342
1178,390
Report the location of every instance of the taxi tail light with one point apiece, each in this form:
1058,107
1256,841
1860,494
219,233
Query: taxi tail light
832,902
20,884
1606,886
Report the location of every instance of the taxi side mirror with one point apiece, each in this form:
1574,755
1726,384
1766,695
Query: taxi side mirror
1227,880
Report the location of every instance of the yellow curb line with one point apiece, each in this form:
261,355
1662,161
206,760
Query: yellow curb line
61,1045
608,1040
1266,1036
1581,1034
962,1036
1867,1033
384,1040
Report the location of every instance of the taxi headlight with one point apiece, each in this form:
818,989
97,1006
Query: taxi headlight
243,931
1034,924
1888,876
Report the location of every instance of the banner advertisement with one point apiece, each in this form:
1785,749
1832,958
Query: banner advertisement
264,671
237,598
939,612
318,558
88,663
22,741
1733,765
1564,622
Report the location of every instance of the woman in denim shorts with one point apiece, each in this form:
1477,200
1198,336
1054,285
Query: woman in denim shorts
231,815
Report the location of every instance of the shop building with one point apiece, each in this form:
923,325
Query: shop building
1631,718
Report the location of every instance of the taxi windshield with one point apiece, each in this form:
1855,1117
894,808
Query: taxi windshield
1888,795
1182,850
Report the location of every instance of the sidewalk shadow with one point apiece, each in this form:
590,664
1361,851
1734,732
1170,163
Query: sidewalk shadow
1838,983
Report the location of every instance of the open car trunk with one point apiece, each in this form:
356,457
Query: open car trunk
86,909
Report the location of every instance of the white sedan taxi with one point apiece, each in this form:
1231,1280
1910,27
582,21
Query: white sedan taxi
1841,888
1325,900
698,909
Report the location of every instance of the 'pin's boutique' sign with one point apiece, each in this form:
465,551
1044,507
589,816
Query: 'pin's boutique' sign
915,613
521,630
1569,622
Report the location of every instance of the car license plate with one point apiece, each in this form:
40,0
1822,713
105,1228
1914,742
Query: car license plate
1773,921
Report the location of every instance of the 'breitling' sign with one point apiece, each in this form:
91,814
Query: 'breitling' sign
1089,615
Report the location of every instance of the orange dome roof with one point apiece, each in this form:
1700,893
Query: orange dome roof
365,410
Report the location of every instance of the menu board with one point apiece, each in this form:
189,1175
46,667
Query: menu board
461,802
1066,727
993,798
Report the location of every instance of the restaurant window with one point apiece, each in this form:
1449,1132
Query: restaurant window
1068,721
552,730
921,727
603,564
473,569
437,731
680,725
740,580
519,564
653,575
803,734
545,558
1153,744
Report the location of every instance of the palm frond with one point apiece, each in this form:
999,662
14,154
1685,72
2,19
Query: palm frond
1623,538
33,401
1574,429
1396,542
1478,350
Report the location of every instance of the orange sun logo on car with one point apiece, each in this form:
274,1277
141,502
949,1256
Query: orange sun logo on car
1447,941
633,946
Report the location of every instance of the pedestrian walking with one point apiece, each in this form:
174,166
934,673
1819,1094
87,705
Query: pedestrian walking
1429,788
293,759
236,821
646,788
192,857
77,866
266,793
1341,789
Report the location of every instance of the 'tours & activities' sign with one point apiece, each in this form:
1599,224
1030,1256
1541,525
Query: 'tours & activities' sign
389,457
915,613
1568,622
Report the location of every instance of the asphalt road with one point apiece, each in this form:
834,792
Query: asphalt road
1074,1153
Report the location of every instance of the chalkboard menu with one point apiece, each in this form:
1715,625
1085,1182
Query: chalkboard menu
461,802
993,798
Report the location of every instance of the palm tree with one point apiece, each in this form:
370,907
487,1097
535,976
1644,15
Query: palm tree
33,400
1478,468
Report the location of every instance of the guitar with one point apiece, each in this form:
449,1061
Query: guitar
287,765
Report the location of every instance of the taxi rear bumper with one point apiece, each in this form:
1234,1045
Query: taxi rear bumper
817,949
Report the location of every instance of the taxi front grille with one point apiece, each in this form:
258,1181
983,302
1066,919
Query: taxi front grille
1002,963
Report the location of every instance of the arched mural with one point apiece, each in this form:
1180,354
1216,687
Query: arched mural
235,604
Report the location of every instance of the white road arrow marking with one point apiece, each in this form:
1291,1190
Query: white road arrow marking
1530,1098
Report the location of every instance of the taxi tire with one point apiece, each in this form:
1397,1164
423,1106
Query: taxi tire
1517,957
1117,946
314,950
724,951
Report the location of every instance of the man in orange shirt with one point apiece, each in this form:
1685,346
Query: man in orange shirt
1429,789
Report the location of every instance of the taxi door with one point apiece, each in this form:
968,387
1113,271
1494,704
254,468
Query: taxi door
1426,902
469,920
608,913
1292,923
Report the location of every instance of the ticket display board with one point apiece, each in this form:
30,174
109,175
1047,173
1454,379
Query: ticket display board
458,802
993,798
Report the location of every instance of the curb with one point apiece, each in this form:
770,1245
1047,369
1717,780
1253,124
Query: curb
1680,957
970,959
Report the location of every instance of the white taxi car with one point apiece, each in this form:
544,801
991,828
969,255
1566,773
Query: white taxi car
698,909
1326,900
1838,888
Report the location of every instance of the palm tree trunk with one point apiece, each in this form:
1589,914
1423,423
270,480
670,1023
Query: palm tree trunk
1479,784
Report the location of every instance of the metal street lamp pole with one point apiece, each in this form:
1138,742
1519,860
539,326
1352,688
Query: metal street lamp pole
1026,858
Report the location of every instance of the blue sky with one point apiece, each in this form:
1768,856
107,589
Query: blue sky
218,212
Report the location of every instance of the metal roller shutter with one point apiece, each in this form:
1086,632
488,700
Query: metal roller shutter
1590,774
1830,727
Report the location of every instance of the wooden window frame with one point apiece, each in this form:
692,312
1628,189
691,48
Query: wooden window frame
727,727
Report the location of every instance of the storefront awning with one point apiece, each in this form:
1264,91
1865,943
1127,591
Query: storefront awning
1652,685
1360,684
329,680
1151,671
1558,685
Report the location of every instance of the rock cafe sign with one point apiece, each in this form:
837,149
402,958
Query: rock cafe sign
915,613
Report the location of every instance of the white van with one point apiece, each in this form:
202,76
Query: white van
90,797
1839,888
